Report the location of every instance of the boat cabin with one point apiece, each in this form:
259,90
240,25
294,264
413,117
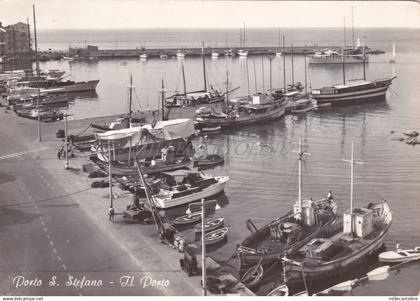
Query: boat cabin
362,224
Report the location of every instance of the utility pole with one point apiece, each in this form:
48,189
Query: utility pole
39,114
203,250
66,164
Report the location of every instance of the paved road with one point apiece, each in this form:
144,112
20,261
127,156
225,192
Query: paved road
44,233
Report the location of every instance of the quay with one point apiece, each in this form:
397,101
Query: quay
57,225
153,53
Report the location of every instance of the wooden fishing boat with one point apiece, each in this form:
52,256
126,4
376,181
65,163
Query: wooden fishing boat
210,225
216,236
209,161
400,255
123,169
187,219
253,276
281,290
362,232
287,233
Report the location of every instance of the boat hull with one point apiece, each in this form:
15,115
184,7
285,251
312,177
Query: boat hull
77,87
337,60
372,94
224,123
168,202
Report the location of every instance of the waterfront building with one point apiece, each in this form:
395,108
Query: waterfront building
15,40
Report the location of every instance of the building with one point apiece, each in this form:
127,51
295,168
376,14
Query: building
2,41
16,40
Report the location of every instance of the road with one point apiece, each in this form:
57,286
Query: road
54,236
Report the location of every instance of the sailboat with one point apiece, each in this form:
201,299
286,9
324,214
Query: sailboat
344,245
205,96
355,91
243,52
261,108
278,52
289,232
393,60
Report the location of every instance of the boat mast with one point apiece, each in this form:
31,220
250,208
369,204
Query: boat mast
300,159
163,100
342,53
36,43
352,27
284,68
227,89
262,70
352,163
271,76
364,60
293,71
255,77
204,66
247,77
393,51
183,80
130,99
244,36
306,81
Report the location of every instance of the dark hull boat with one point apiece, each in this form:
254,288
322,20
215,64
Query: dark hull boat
122,169
246,115
209,161
346,244
352,93
330,254
289,232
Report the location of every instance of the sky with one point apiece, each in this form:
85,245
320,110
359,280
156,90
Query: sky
119,14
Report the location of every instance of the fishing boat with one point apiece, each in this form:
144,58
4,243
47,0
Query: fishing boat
185,186
281,290
71,86
210,225
216,236
186,220
209,161
285,234
207,95
302,106
355,91
393,59
296,100
345,245
148,167
253,276
400,255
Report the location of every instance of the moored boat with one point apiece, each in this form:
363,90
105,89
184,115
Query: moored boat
362,232
209,161
281,290
189,219
186,187
286,234
253,276
400,255
210,225
74,87
216,236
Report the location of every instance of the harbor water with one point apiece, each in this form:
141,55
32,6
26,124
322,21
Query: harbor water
259,159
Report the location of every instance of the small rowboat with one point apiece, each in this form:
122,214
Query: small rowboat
380,273
253,276
281,290
215,236
187,219
400,255
211,129
209,160
210,225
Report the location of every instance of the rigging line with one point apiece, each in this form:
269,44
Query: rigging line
83,130
137,99
359,172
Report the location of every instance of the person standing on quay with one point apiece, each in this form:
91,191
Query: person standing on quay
111,213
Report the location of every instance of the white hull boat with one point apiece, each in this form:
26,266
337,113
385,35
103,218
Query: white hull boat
400,255
175,198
